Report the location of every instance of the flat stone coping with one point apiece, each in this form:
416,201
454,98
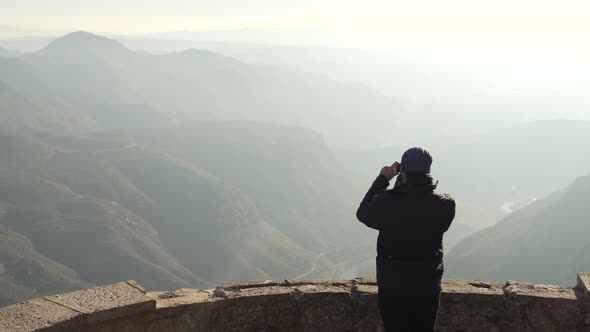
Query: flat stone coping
34,315
71,310
354,287
64,311
523,289
472,287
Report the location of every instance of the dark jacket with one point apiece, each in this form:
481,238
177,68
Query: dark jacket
411,219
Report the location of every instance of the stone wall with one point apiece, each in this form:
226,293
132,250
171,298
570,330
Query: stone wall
301,305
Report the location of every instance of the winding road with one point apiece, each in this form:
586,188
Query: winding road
313,266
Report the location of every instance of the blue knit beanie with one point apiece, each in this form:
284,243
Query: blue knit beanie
416,160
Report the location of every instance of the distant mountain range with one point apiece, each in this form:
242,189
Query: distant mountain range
409,90
193,168
117,164
20,112
193,206
511,166
94,73
545,242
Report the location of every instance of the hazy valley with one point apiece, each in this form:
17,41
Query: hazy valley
192,168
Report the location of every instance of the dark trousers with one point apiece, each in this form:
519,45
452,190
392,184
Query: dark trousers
408,313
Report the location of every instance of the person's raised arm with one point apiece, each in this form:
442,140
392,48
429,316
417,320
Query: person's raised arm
373,210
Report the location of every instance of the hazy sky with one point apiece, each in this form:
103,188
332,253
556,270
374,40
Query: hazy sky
531,39
522,17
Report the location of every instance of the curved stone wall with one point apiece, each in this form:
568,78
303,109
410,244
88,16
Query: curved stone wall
301,305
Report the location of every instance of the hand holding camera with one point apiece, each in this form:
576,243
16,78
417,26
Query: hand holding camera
389,172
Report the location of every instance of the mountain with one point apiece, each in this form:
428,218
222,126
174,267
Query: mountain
192,168
23,77
4,53
83,43
25,273
485,172
544,242
20,113
88,70
93,157
94,73
54,219
175,207
297,158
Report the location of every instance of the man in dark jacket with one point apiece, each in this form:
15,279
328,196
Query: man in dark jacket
411,219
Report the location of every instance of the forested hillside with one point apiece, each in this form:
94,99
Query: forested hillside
171,208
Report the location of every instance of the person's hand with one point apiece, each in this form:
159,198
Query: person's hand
389,172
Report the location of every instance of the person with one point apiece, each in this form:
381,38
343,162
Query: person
411,219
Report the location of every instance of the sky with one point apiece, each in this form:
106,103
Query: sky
538,40
526,17
540,25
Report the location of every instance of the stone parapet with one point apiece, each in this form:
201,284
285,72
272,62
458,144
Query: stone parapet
297,305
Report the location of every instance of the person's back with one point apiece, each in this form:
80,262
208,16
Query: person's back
411,219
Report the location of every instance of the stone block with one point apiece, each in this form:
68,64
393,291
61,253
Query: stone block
185,296
106,302
274,312
471,287
471,305
35,315
248,284
239,288
372,281
523,290
365,308
541,307
317,282
326,311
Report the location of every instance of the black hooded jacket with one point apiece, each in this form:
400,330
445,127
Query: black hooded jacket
411,219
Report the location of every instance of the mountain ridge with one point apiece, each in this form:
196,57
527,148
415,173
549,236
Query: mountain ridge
83,40
92,72
146,205
549,237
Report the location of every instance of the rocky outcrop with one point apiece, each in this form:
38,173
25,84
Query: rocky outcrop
301,305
